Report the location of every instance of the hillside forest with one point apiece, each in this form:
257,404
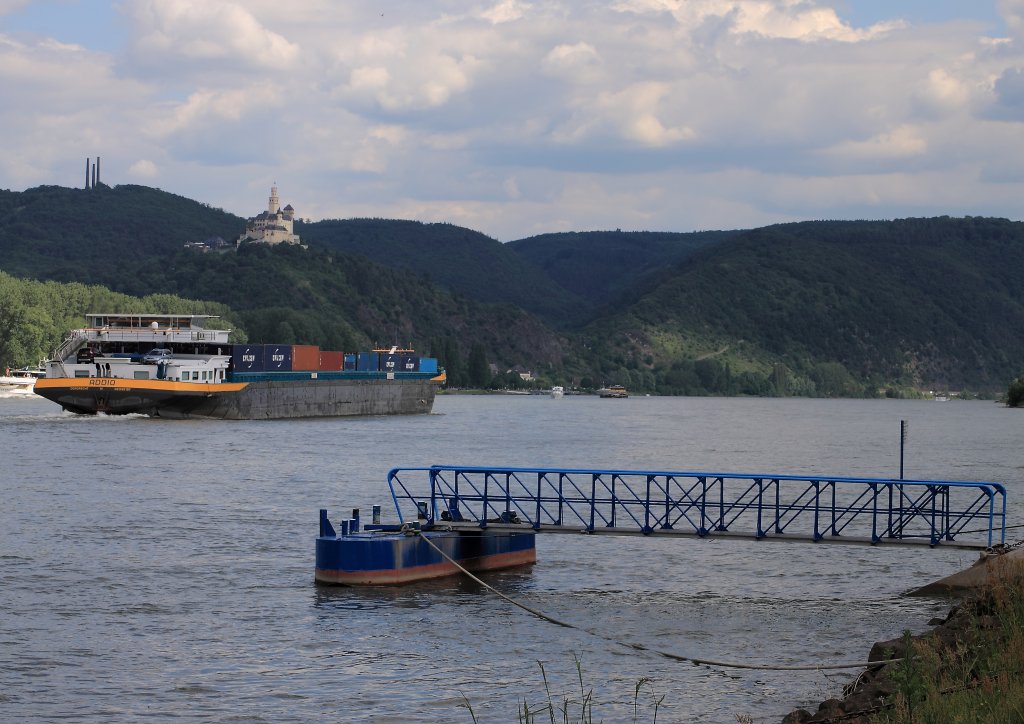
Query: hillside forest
831,308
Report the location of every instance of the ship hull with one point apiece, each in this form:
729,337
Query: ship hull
377,558
262,399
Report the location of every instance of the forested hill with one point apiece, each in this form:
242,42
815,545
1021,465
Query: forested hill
51,232
932,303
600,265
818,308
460,259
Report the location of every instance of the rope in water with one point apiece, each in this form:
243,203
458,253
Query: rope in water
642,647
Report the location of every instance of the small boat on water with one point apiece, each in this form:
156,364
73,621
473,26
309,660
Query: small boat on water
616,391
20,381
557,391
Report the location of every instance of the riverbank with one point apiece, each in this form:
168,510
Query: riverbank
968,668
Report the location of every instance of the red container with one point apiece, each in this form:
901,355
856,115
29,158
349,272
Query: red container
332,361
305,357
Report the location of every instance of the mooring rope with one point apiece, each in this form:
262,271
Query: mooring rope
642,647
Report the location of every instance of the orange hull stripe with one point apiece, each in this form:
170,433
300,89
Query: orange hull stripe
123,385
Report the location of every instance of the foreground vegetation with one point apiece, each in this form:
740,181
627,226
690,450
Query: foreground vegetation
969,669
979,677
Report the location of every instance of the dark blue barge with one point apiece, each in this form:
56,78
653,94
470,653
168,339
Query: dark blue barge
395,554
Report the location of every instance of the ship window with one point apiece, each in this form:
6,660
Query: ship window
81,373
142,375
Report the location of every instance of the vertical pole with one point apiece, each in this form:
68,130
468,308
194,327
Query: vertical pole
903,443
541,477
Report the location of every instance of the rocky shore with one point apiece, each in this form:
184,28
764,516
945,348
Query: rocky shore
874,689
993,588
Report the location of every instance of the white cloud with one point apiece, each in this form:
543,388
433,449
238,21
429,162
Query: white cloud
781,19
506,11
9,6
143,169
1012,12
169,32
634,112
902,142
509,115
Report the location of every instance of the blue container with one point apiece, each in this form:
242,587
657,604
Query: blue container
390,363
409,363
277,358
428,364
247,357
368,362
350,361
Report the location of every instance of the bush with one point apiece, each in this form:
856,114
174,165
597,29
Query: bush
1015,395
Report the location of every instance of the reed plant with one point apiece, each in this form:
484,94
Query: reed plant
573,709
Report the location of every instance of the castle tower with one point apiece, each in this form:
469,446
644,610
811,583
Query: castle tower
274,205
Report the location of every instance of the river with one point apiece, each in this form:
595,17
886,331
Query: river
156,569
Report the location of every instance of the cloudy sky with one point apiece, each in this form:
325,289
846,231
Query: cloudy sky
519,117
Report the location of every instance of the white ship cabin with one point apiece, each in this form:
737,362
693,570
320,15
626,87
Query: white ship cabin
170,347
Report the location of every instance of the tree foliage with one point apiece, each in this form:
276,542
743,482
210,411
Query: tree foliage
35,316
1015,393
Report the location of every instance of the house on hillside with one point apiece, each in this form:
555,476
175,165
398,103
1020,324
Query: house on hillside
273,226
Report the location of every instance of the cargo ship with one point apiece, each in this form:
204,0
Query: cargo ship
175,366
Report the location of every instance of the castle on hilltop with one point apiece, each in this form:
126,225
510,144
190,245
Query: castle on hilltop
273,226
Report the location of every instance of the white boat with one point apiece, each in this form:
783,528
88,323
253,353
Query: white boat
19,382
557,391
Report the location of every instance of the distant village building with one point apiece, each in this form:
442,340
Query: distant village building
273,226
214,243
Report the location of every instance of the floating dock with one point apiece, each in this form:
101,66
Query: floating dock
485,518
396,554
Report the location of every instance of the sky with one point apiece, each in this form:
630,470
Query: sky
523,117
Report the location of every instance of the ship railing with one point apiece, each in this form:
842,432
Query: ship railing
822,508
75,339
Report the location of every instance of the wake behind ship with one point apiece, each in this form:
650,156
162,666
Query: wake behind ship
167,365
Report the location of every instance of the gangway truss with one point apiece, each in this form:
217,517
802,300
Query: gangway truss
817,508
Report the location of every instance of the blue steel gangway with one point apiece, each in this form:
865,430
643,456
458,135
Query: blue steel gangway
761,506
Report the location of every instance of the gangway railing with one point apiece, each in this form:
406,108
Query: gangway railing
75,339
814,508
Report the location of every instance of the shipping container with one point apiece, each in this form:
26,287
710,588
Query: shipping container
350,361
331,361
305,357
390,363
277,357
247,358
428,364
368,361
409,363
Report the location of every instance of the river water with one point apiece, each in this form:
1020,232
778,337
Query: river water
156,569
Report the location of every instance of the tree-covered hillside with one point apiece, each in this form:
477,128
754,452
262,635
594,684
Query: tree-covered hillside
600,265
932,303
459,259
79,235
339,301
824,308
